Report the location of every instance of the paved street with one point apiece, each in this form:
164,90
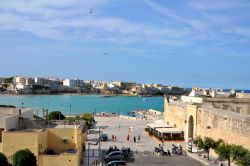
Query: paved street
142,151
163,161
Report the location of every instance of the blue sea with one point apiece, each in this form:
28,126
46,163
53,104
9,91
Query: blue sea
78,104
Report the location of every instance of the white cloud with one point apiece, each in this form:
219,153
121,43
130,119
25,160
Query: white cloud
196,24
51,19
219,4
66,20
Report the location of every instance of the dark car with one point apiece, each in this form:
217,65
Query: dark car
104,137
115,155
116,163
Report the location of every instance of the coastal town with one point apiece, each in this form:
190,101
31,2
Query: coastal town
52,85
124,83
196,129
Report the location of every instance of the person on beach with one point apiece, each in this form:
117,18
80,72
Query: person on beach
134,139
139,138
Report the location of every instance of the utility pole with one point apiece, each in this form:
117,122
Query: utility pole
99,144
88,152
70,109
47,114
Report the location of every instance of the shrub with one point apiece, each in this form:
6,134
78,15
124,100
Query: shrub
54,115
24,158
3,160
89,119
147,130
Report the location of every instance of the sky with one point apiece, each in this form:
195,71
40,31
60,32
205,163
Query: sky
185,43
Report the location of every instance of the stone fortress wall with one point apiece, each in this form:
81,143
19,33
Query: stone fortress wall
238,105
228,119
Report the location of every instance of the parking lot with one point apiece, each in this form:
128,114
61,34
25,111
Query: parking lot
142,150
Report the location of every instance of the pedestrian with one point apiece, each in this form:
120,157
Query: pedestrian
134,139
115,138
139,138
128,137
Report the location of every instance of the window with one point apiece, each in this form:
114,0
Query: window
238,109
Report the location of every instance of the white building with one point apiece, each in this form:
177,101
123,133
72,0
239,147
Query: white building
23,80
10,117
73,83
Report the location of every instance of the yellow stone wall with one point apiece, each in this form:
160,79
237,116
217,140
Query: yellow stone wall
231,130
39,141
62,159
56,136
42,141
211,123
175,115
14,141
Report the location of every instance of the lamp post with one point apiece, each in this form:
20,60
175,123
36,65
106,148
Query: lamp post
47,115
70,109
99,147
88,152
99,141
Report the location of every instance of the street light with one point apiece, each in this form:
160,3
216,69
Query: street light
70,109
95,144
47,115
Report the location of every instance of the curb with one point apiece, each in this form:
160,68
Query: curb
197,158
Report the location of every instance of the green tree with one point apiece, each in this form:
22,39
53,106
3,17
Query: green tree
240,155
245,160
224,151
56,115
3,160
208,144
218,142
199,142
89,119
8,80
5,85
24,158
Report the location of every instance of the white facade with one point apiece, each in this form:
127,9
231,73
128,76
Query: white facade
220,94
73,83
23,88
9,117
195,93
23,80
191,99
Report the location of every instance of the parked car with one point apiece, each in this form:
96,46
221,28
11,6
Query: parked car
116,163
104,137
114,155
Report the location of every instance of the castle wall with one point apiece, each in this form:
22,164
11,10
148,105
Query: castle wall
233,130
175,115
217,123
234,105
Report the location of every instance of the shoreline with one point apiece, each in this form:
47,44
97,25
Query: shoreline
81,94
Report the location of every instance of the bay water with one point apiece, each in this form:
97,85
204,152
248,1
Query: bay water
79,104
